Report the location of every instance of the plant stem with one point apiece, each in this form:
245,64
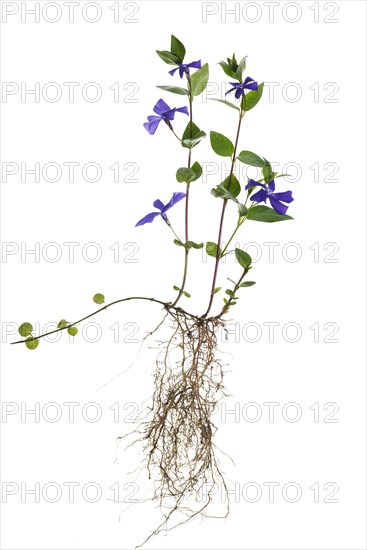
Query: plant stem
222,216
173,132
236,287
173,231
239,223
186,261
165,304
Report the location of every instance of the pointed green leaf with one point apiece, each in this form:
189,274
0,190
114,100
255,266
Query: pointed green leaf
243,258
63,323
229,292
265,214
179,243
197,169
251,159
247,283
199,80
176,287
186,294
190,143
267,171
241,67
98,298
25,329
168,57
194,132
221,144
211,249
276,175
242,210
177,48
227,69
217,289
191,244
197,136
174,90
185,175
225,103
226,191
253,97
31,343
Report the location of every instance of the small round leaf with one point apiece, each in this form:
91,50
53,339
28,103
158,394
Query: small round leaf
31,343
98,298
25,329
73,331
62,323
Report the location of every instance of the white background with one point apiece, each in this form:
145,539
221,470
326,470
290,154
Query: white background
324,44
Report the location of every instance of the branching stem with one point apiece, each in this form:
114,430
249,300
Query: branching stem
222,215
186,261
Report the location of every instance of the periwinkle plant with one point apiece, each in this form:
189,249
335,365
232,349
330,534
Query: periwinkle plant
178,435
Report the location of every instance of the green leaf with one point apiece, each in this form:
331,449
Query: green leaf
229,292
190,143
73,331
225,103
186,294
174,90
62,323
265,214
177,48
242,210
217,289
98,298
233,62
247,283
229,72
185,175
199,80
25,329
221,144
195,131
251,159
191,244
226,192
243,258
168,57
197,169
179,243
31,343
241,67
211,249
267,171
253,97
176,287
197,136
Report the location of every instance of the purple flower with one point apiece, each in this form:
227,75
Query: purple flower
248,84
184,68
267,192
162,209
163,112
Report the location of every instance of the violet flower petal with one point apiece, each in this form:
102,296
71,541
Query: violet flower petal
161,107
152,124
176,197
278,206
285,196
260,196
148,218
